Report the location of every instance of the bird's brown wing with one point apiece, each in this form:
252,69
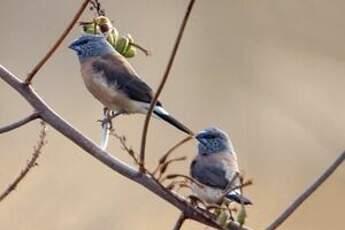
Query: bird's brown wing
120,74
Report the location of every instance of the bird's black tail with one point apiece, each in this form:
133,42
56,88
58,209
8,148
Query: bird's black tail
161,113
238,198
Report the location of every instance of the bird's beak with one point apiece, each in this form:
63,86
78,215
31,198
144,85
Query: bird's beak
201,139
74,46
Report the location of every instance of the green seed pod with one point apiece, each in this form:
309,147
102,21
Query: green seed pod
104,24
113,37
122,44
130,53
90,28
222,218
241,216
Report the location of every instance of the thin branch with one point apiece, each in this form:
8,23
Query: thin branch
179,222
173,176
19,123
31,163
123,142
292,208
160,88
52,118
57,43
164,158
165,165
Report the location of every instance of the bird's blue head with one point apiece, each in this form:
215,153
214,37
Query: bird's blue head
88,46
213,140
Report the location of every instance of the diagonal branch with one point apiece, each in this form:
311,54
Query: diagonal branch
57,43
30,164
160,88
52,118
292,208
19,123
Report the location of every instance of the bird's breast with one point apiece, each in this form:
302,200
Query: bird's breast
108,94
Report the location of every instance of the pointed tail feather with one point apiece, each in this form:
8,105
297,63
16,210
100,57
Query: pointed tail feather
161,113
238,198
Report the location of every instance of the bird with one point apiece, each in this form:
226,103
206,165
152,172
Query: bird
214,167
111,79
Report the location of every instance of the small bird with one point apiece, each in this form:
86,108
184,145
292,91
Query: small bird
112,80
214,166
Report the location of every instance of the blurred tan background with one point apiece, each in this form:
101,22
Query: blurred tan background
269,72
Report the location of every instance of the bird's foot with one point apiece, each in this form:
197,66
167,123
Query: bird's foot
106,122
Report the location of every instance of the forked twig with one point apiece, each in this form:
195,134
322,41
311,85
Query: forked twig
31,163
165,165
164,158
19,123
57,43
161,85
312,188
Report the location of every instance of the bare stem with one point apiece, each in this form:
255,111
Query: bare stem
31,163
292,208
19,123
145,51
160,88
57,43
179,222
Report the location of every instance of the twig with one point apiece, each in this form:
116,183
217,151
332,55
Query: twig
179,222
57,43
163,159
145,51
172,176
160,88
19,123
123,142
31,163
165,165
312,188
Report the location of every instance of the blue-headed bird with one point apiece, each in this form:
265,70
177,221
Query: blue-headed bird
214,166
111,79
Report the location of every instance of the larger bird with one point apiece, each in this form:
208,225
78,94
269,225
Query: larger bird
112,80
214,166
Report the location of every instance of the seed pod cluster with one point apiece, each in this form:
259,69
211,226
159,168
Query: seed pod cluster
102,25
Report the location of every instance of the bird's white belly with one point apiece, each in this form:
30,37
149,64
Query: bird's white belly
206,193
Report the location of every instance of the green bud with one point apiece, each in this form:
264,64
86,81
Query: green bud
222,218
130,53
122,45
241,216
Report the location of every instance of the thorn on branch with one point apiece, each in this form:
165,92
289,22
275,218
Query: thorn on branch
30,164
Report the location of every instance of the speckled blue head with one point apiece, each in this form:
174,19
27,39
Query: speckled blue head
213,140
88,46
